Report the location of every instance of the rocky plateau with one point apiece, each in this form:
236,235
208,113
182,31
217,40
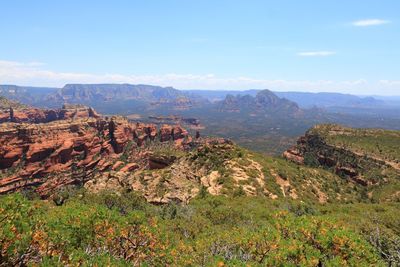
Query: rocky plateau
49,149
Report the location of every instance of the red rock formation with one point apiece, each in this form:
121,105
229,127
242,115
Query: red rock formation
178,132
129,167
294,155
160,162
315,149
165,133
67,150
117,165
76,112
35,115
174,133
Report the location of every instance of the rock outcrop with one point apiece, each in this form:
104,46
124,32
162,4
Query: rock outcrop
35,115
49,149
318,147
173,178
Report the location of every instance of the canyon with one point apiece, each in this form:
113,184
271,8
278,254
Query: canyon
49,149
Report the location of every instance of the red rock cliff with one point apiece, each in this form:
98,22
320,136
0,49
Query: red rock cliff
70,140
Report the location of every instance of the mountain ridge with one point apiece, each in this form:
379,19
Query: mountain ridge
264,101
304,99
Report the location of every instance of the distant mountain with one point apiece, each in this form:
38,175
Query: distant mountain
27,94
263,101
303,99
308,100
110,92
260,120
390,101
98,93
218,95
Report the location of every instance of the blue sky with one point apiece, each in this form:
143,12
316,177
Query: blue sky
344,46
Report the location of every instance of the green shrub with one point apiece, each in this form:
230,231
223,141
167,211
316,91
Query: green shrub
108,229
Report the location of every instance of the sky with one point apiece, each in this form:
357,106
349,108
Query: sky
350,46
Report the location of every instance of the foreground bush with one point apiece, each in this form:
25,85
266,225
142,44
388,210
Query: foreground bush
112,230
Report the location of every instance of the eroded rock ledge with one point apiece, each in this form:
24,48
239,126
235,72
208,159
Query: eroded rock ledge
314,149
49,149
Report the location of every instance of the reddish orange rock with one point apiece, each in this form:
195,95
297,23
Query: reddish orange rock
117,165
129,167
49,149
166,133
179,133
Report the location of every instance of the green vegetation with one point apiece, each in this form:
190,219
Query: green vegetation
368,157
310,184
164,149
123,230
270,133
378,143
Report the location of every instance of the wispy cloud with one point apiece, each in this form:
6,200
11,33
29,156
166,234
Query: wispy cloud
14,64
393,83
36,74
369,22
316,53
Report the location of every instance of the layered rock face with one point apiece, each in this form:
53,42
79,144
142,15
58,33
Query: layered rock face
78,93
35,115
323,146
70,146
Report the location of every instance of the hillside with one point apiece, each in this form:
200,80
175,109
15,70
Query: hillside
164,165
53,148
376,143
369,157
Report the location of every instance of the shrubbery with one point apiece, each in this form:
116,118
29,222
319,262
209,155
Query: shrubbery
118,230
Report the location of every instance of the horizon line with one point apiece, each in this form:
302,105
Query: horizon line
197,89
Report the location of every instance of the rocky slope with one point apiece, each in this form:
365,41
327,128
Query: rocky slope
81,148
368,157
26,114
78,147
52,150
49,149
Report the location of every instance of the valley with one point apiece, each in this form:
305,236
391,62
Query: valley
256,119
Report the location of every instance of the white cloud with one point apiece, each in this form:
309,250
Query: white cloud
393,83
13,64
36,75
369,22
316,54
